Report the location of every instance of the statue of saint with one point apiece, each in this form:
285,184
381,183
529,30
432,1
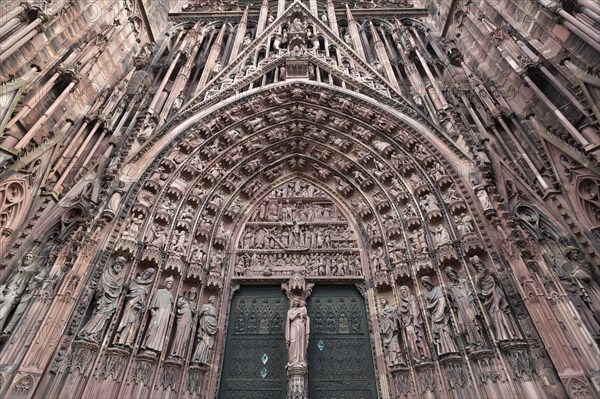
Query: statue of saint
390,333
106,296
37,282
160,310
572,279
207,329
494,301
297,330
186,309
582,279
463,302
440,319
15,285
135,299
410,316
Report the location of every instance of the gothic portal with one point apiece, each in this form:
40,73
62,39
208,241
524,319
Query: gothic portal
294,199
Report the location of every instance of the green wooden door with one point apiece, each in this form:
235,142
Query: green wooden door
255,351
339,353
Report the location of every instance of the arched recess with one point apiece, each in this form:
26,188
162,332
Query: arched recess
400,185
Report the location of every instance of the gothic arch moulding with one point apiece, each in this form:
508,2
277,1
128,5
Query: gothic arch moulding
288,179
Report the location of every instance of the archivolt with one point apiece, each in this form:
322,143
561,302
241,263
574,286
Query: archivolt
382,166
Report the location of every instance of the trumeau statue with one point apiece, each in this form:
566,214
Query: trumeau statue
297,330
437,310
494,300
186,309
160,310
13,289
106,299
410,317
463,301
135,300
390,333
207,329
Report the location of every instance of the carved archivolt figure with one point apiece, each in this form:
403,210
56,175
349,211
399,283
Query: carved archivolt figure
463,302
577,277
160,310
207,329
135,299
186,309
107,295
410,316
440,319
297,331
442,237
390,333
11,291
495,302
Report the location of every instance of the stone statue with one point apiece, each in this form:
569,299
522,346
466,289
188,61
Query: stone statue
160,310
410,317
577,277
38,282
388,319
297,330
494,301
463,224
115,199
186,309
106,298
135,299
14,287
207,329
463,301
442,237
484,199
437,310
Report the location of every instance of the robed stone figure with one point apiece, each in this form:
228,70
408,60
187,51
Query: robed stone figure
494,300
135,300
390,333
410,317
160,310
186,309
437,309
297,330
107,295
582,285
207,330
12,290
463,301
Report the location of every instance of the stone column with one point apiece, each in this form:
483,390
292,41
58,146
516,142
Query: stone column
20,38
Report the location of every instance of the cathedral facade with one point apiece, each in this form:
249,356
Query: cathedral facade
300,199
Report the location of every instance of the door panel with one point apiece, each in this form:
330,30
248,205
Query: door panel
339,355
255,352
